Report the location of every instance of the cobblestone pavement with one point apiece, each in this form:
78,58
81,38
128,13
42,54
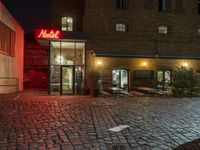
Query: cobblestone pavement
82,123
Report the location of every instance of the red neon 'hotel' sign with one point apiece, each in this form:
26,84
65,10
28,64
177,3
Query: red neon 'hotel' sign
47,34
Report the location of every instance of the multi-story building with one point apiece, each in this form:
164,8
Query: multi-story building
129,42
11,53
35,64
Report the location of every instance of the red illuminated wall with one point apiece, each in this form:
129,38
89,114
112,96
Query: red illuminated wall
35,64
11,52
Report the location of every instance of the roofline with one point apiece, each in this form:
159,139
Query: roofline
149,56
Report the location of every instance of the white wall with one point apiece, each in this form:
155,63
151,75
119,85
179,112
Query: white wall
12,66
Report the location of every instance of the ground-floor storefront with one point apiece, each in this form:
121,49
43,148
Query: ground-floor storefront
67,68
130,73
71,63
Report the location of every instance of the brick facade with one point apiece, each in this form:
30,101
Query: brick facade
141,42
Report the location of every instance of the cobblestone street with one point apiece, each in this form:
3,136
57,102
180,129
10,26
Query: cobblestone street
82,123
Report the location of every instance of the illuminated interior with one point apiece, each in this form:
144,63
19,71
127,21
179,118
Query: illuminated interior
67,61
120,78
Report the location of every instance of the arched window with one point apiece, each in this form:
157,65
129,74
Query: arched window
120,27
120,78
163,29
198,31
67,24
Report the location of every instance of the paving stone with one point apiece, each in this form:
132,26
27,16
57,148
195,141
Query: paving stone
36,122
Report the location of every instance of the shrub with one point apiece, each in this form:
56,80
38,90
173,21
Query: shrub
185,82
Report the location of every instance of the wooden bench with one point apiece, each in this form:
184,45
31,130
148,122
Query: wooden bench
135,93
105,94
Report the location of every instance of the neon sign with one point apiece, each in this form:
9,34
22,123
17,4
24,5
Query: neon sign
48,34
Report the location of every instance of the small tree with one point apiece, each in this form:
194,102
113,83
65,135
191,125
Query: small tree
185,82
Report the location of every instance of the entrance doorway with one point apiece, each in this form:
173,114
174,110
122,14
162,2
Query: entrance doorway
164,79
67,82
120,78
67,68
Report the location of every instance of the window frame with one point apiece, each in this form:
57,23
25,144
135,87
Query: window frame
198,31
164,5
67,23
161,29
121,4
198,7
120,27
7,40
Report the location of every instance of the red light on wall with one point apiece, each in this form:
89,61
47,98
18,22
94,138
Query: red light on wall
47,34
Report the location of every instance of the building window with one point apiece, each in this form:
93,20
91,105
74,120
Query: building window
162,29
199,7
122,4
164,79
67,24
120,78
198,31
7,40
164,5
143,74
120,27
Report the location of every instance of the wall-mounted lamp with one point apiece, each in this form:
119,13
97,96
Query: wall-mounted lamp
185,65
99,63
144,64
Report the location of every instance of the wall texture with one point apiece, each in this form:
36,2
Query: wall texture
12,67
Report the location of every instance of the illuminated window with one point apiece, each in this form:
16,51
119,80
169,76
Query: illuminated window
120,78
198,31
67,24
120,27
162,29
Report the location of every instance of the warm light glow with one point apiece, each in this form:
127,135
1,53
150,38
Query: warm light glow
60,59
48,34
144,64
99,63
185,65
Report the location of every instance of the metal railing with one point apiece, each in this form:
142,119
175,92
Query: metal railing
9,86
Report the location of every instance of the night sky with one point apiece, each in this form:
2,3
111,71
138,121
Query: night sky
30,13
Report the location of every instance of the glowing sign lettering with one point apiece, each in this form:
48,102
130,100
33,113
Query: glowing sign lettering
48,34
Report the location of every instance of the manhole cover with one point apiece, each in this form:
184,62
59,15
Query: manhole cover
117,147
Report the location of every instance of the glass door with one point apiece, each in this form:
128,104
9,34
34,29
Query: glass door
67,82
120,78
164,79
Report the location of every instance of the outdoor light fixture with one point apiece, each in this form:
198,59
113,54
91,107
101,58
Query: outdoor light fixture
185,64
144,64
99,63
